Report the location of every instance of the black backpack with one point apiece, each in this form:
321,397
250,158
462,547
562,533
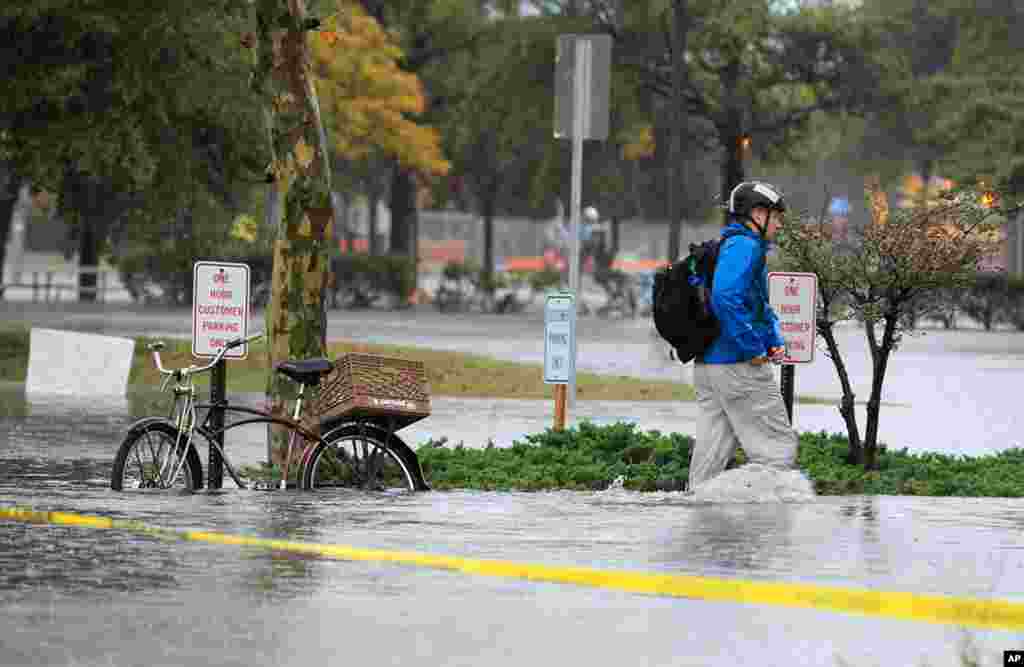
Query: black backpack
682,300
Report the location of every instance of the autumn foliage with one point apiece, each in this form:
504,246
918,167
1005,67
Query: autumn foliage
366,98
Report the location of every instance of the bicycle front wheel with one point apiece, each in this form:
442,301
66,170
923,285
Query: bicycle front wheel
150,457
363,457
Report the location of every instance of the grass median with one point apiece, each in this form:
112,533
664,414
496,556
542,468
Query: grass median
449,373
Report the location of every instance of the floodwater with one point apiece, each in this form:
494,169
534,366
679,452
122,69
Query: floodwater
954,392
74,596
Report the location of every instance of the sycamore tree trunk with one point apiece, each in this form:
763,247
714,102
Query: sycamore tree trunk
300,169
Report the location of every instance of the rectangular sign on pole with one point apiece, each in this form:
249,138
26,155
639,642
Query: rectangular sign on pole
794,298
559,338
598,56
220,308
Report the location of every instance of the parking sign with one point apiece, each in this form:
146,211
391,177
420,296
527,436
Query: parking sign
220,308
559,338
794,298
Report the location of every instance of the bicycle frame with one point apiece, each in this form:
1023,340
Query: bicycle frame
258,417
184,417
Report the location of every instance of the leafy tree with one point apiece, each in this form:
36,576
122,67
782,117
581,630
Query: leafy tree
367,98
430,32
904,262
983,105
367,103
499,124
750,73
951,96
103,97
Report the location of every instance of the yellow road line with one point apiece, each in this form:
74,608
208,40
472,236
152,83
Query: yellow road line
978,613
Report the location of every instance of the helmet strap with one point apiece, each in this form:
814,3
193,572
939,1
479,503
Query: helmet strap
761,229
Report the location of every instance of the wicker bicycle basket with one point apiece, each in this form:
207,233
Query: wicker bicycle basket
372,386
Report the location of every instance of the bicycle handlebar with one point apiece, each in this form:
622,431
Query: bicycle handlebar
195,370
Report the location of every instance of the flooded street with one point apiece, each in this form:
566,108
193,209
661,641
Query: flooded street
945,391
79,596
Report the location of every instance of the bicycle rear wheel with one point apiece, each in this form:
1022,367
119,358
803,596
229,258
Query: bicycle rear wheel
149,456
362,456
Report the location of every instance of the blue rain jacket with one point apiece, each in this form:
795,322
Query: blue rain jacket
739,299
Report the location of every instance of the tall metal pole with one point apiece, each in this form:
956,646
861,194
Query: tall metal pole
580,126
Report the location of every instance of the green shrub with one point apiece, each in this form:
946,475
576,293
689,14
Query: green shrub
587,457
591,457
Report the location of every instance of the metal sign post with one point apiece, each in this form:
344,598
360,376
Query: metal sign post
220,313
559,347
581,112
794,298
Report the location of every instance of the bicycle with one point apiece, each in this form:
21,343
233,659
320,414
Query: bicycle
161,452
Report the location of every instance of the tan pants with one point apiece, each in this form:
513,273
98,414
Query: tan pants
739,404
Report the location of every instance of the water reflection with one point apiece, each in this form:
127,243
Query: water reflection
57,455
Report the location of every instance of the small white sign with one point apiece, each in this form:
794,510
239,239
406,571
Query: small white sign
220,308
78,364
559,338
794,298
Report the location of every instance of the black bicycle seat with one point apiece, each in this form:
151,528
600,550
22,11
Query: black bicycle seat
306,371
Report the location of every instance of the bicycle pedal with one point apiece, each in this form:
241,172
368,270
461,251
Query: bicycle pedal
262,486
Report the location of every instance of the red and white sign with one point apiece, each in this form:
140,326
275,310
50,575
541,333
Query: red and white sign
794,298
220,308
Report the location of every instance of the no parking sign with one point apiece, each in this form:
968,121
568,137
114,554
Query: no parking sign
794,298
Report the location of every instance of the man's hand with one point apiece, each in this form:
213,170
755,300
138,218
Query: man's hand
775,355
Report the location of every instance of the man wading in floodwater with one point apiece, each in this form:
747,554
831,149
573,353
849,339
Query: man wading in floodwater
738,401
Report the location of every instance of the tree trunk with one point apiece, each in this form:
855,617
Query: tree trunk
855,454
403,211
615,236
9,189
489,206
680,26
296,316
880,360
374,202
732,163
730,133
926,167
88,255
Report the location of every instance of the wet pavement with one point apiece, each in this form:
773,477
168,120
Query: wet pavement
74,596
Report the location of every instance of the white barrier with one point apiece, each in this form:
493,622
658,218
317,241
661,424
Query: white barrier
78,364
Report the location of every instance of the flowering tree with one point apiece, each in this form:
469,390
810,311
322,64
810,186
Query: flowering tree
902,262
